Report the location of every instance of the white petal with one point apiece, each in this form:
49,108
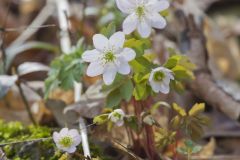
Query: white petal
166,80
71,149
165,89
123,66
126,6
64,131
76,136
117,40
128,54
158,5
109,74
130,24
156,86
100,42
91,55
119,123
156,20
73,132
95,69
144,29
56,137
159,87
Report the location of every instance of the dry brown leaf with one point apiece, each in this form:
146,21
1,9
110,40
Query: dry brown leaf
208,149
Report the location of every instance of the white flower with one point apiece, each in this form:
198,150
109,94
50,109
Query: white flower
117,117
109,57
143,15
67,140
160,78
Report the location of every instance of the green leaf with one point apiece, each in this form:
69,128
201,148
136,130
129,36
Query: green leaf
114,98
142,65
109,30
101,119
118,81
138,45
126,90
140,91
65,70
181,73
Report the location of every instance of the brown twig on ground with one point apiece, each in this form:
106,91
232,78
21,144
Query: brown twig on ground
221,157
204,86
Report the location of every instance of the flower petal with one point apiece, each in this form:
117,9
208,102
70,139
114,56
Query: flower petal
117,40
157,5
56,137
63,132
91,55
144,29
109,74
156,20
95,69
71,149
125,6
128,54
130,24
100,42
123,68
119,123
164,89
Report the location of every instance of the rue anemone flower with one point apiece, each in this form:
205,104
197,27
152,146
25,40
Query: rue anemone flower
160,78
117,117
67,140
143,15
109,57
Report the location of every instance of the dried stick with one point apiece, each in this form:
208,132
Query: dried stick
41,18
63,11
204,85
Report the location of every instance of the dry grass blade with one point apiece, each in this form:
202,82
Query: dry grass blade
121,147
25,27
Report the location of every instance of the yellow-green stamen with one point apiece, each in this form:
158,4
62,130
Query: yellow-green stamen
109,56
66,141
140,11
158,76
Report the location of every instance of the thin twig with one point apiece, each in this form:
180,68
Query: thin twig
41,18
26,103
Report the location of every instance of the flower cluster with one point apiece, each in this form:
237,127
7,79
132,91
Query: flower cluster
111,57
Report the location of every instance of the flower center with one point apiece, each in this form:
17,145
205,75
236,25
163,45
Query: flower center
117,115
109,56
158,76
66,141
140,11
